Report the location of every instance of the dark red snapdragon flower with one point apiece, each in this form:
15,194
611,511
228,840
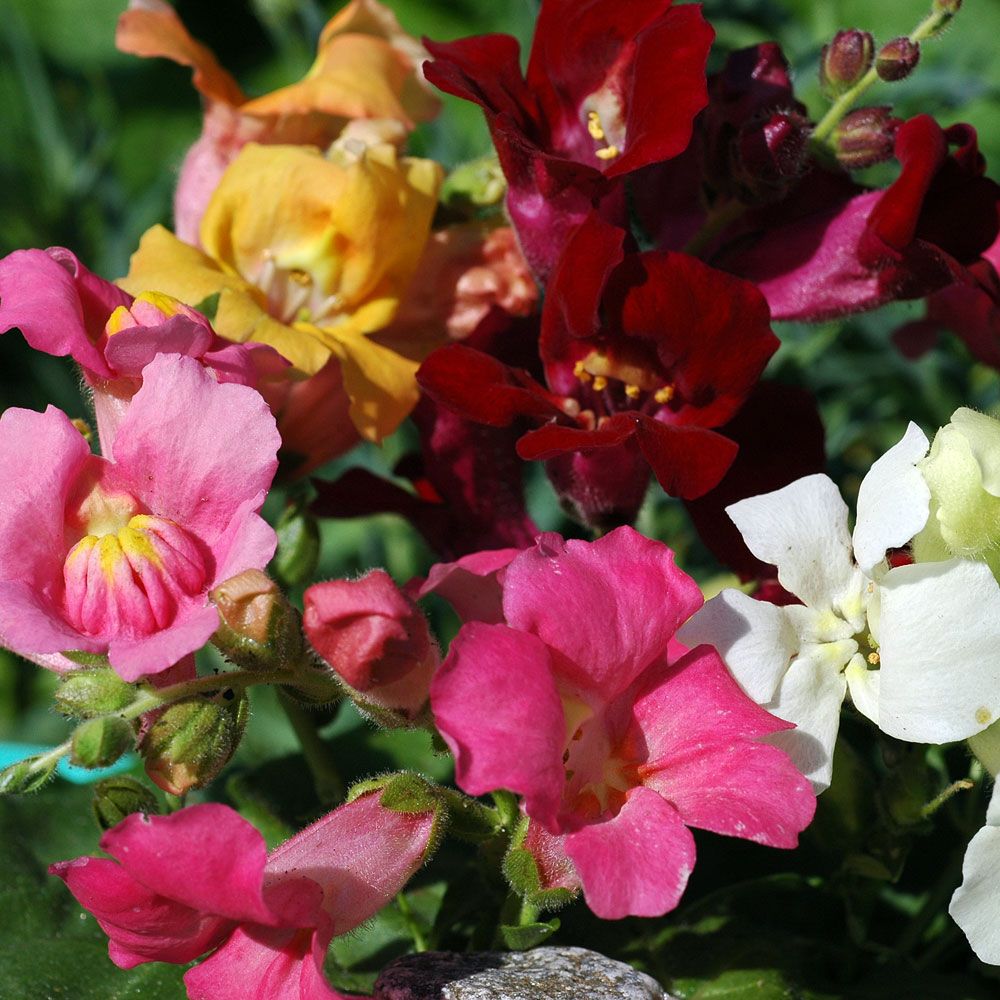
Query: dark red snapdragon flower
643,354
610,87
816,242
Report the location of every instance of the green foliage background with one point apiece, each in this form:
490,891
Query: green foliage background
92,142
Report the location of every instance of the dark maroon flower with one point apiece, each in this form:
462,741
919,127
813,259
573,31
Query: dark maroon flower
610,87
466,491
644,353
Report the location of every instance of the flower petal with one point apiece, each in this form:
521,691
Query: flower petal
894,500
623,595
496,690
938,633
152,654
802,529
636,864
755,638
975,906
193,449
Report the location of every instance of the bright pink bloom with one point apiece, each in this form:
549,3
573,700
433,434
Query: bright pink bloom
62,308
624,737
610,88
118,556
201,880
375,638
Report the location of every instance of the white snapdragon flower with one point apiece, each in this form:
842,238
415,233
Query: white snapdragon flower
914,645
975,906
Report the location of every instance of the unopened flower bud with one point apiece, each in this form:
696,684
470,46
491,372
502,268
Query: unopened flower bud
115,798
193,740
897,59
375,638
298,547
258,628
100,742
845,60
771,154
26,775
865,137
84,694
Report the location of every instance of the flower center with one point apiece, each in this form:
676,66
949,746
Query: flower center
129,581
598,775
298,283
613,384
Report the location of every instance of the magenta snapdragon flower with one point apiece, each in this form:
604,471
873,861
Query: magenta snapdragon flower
118,556
624,738
201,880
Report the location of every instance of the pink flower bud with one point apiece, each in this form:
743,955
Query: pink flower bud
845,60
375,638
897,59
770,154
865,137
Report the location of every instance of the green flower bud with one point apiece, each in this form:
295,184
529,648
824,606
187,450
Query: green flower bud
25,776
259,629
118,797
192,741
101,741
474,186
84,694
962,471
298,547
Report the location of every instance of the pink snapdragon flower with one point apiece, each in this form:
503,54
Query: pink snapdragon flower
624,737
118,556
201,880
63,308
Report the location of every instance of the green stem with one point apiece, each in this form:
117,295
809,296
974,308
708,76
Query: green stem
927,28
326,778
410,919
954,788
938,896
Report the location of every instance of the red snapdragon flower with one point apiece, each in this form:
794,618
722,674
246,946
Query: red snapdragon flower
610,87
643,354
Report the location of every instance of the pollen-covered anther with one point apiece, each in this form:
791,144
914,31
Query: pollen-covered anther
664,395
608,153
594,126
580,372
873,659
632,391
600,383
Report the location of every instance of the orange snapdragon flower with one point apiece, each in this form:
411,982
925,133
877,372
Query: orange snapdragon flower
366,68
311,254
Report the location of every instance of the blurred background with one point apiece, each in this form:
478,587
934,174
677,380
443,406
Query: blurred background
92,140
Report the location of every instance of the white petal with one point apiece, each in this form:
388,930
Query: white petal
993,809
864,687
755,639
975,906
939,640
801,529
894,500
810,696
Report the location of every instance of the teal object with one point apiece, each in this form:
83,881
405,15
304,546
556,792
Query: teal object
11,753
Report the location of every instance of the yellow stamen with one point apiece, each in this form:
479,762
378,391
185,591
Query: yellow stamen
664,395
600,383
594,126
608,153
581,373
632,391
83,427
873,659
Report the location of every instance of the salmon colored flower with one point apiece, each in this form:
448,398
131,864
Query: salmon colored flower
366,67
311,255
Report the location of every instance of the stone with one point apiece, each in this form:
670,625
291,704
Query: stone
541,974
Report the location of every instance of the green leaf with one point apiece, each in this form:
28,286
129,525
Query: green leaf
49,947
209,306
529,935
